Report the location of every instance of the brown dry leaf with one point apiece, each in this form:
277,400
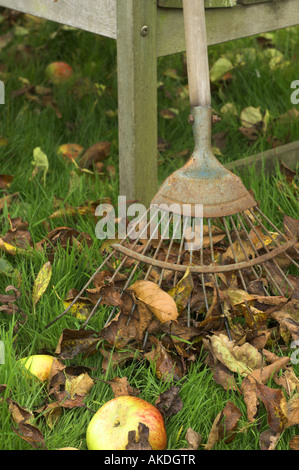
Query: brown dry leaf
10,305
17,238
139,440
30,434
182,290
288,381
294,443
217,235
5,181
240,359
224,425
69,384
73,342
276,406
87,208
52,413
193,439
65,237
165,366
70,151
160,302
25,429
291,226
224,377
237,250
265,373
119,332
113,359
293,411
121,387
7,200
289,328
94,154
268,439
248,388
169,402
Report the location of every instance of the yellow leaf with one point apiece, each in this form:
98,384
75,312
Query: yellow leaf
41,282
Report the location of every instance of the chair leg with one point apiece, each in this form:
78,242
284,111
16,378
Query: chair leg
137,98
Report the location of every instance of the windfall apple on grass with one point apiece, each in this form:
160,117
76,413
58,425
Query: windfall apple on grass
110,426
38,365
59,72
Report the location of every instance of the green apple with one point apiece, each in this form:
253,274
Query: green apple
38,365
109,427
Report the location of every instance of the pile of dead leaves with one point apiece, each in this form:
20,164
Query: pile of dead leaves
248,343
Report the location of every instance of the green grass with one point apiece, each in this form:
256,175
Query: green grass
84,121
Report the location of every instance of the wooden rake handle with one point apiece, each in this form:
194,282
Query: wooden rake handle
197,53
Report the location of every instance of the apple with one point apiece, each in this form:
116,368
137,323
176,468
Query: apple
59,72
38,365
109,427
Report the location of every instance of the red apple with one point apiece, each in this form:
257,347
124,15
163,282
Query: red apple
38,365
109,427
59,72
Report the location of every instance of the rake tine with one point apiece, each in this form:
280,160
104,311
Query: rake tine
90,280
181,248
274,241
268,251
216,281
256,253
81,291
234,254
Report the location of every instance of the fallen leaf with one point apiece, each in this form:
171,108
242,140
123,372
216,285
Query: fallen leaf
73,342
40,162
224,425
268,439
24,420
5,181
94,154
139,440
276,406
221,67
165,366
41,282
169,402
240,359
193,439
121,387
182,290
70,151
294,443
160,302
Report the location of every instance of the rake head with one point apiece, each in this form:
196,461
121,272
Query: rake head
245,249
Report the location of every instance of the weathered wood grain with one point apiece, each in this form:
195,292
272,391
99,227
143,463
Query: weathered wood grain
96,16
208,3
267,161
226,24
137,99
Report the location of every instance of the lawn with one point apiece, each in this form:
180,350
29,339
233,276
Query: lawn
37,199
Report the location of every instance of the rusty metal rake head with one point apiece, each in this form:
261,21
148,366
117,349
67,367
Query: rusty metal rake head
245,245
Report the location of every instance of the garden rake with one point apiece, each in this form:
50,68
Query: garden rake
167,248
